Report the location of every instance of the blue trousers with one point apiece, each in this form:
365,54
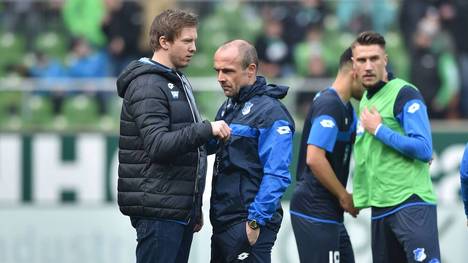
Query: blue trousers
408,235
162,241
321,242
232,245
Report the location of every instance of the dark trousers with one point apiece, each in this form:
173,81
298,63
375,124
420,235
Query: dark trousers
162,241
232,245
408,235
321,242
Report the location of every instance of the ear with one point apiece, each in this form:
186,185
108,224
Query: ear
164,42
385,59
251,70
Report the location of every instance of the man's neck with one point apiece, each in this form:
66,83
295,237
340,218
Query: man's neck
342,87
163,59
371,91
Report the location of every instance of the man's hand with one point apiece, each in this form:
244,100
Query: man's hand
346,201
198,226
370,120
221,130
252,235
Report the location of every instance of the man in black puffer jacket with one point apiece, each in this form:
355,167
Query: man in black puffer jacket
162,158
251,169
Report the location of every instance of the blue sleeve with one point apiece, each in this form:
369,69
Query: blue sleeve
416,143
464,179
275,151
323,132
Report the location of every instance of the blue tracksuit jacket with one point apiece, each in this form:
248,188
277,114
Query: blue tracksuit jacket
251,169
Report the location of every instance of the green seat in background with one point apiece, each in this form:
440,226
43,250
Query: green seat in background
10,110
111,120
52,44
38,113
12,49
81,112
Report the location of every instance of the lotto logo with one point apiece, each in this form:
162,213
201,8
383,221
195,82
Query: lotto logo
283,130
327,123
243,256
414,107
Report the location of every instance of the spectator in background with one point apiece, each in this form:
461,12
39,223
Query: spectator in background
273,53
122,26
85,62
434,69
360,15
411,12
455,20
18,18
300,17
50,72
83,18
309,55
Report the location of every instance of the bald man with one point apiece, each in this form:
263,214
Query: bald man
251,169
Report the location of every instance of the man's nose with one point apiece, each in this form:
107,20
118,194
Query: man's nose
193,47
368,65
221,76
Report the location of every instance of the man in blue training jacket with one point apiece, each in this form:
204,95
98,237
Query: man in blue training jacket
464,180
251,168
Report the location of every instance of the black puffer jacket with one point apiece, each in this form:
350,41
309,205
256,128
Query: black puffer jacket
162,159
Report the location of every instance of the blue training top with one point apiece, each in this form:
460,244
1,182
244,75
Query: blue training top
330,125
464,179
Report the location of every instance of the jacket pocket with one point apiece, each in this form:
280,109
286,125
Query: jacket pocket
226,196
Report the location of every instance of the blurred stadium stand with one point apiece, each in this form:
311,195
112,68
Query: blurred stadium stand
48,110
314,32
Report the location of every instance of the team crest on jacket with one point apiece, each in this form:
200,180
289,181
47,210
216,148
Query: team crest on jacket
170,85
247,106
419,254
175,94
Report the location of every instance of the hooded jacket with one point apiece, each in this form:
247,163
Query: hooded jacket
162,158
251,168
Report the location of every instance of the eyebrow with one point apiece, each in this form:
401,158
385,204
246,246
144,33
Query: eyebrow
367,57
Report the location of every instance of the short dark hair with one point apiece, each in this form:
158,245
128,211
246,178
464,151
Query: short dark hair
170,24
246,50
346,58
249,55
367,38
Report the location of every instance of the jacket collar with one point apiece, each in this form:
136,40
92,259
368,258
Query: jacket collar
247,92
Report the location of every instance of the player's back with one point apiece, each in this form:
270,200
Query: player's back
330,125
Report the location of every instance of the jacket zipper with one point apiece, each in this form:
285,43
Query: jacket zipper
195,190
